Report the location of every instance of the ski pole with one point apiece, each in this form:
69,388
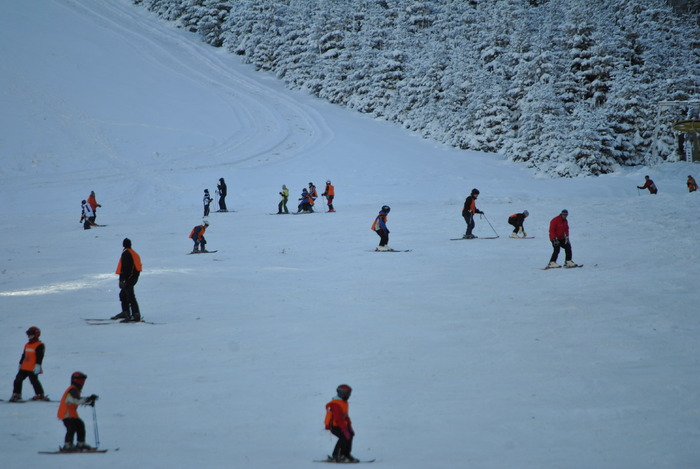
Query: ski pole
487,221
94,423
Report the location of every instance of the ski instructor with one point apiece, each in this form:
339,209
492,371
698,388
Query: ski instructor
559,236
128,269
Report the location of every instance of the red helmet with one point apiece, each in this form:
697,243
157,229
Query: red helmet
35,331
78,378
344,392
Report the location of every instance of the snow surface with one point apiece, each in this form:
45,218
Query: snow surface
460,353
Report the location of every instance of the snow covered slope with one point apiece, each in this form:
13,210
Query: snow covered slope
461,354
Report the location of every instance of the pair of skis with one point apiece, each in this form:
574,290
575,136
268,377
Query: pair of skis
108,322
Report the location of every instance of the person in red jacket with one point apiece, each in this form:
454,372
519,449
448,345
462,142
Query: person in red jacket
92,201
559,236
649,184
30,367
339,423
68,413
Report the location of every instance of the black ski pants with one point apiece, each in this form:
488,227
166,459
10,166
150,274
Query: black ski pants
34,379
343,447
74,426
563,243
383,237
130,307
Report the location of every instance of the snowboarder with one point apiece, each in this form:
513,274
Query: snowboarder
92,202
284,197
30,367
379,227
468,212
559,236
692,185
306,203
648,184
312,191
329,194
207,201
88,216
197,235
517,220
129,268
221,190
68,413
339,423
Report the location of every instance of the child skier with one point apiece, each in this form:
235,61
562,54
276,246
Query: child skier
30,367
306,202
68,412
339,423
517,220
329,194
379,227
284,197
468,212
197,235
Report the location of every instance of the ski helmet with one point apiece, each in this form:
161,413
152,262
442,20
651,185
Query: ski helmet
565,212
78,378
386,209
35,331
344,392
475,191
329,181
206,222
126,243
526,213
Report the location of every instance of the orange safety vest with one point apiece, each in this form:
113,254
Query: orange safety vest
66,410
135,257
330,190
29,361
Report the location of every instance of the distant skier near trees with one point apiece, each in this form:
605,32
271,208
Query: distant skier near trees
338,422
559,236
284,197
68,413
206,201
30,367
517,220
468,212
197,235
379,227
222,191
329,194
692,185
648,184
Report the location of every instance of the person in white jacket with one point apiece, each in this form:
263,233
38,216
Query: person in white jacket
88,216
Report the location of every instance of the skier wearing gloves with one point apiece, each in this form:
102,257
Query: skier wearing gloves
30,367
197,235
559,236
517,220
339,423
68,413
379,227
329,194
129,268
468,212
649,184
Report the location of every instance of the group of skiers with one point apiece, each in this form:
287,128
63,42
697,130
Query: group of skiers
89,211
30,366
307,199
221,191
651,187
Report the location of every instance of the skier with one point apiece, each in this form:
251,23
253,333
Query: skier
312,191
284,197
379,227
207,202
221,190
517,220
30,367
648,184
129,268
307,202
329,194
88,216
468,212
692,185
92,202
339,423
68,412
197,235
559,236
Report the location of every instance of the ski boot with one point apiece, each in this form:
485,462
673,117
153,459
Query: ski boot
16,398
40,397
570,264
553,265
121,315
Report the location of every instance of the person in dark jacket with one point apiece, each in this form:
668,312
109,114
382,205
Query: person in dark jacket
128,269
468,212
197,235
30,367
221,190
517,220
649,184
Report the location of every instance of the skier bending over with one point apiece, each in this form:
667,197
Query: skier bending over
517,220
197,235
649,184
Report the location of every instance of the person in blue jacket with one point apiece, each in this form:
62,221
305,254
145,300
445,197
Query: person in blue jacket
379,227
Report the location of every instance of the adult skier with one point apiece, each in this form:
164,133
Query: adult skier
68,413
692,185
517,220
559,236
329,194
129,268
379,227
197,235
221,190
284,197
92,202
648,184
339,423
30,367
468,212
206,201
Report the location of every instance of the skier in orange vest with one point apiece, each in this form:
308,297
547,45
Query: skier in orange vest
68,412
129,268
30,367
329,194
339,423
